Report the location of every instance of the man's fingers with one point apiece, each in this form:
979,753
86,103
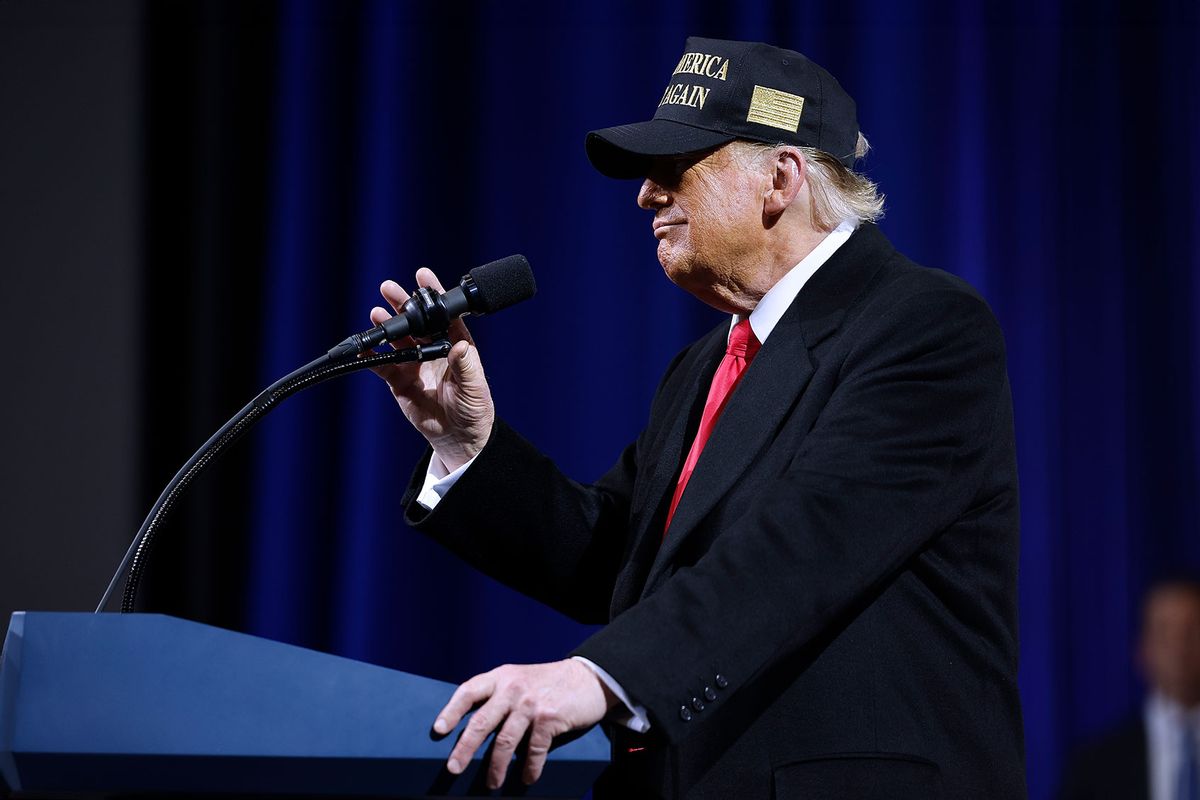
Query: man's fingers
392,373
533,702
394,294
539,748
470,694
505,744
465,697
396,297
458,329
483,722
382,315
426,277
464,361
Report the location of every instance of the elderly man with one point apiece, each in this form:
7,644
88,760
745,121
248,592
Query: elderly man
1155,756
807,560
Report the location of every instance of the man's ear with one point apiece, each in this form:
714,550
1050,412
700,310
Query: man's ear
788,176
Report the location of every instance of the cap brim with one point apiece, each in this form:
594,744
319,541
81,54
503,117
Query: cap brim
628,151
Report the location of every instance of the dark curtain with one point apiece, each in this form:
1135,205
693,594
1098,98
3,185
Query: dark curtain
299,153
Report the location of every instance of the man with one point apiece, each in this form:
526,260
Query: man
1157,755
807,560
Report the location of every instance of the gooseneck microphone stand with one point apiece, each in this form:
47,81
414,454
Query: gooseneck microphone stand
426,314
339,361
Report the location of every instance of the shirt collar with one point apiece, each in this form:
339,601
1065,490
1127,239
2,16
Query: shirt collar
1162,710
775,302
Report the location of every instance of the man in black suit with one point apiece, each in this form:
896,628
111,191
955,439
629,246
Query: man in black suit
1155,756
807,560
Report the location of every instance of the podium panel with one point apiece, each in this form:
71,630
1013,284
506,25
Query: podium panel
109,704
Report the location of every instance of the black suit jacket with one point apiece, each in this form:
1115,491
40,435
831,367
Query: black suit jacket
1114,767
833,612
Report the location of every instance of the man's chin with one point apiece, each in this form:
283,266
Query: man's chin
688,281
675,272
674,261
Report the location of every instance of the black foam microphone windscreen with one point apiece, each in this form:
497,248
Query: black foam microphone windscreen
502,283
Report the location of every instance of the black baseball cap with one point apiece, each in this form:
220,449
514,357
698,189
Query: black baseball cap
724,90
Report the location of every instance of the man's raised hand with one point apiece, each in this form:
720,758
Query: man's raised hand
447,401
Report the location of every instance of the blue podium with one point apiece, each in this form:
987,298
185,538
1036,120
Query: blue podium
98,705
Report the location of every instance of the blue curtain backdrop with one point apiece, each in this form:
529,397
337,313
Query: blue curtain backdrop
1045,152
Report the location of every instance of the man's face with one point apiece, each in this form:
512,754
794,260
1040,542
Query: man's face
708,219
1170,649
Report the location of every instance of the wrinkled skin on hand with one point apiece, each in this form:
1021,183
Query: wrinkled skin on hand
538,701
447,400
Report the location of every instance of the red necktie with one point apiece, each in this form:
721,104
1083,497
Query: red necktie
738,354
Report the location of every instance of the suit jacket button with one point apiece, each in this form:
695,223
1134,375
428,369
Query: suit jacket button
697,704
685,713
709,694
721,681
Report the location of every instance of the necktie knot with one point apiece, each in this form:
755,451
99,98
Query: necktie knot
742,341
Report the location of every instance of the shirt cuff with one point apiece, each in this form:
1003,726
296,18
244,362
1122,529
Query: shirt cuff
438,481
633,716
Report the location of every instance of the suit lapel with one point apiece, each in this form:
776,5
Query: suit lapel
760,403
668,449
762,400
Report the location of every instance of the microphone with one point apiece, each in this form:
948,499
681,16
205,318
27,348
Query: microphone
491,287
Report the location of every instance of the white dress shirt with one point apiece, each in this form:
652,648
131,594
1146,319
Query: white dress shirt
1165,721
763,319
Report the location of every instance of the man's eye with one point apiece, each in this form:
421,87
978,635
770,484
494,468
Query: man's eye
674,169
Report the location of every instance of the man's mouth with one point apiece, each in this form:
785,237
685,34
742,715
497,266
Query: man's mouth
661,226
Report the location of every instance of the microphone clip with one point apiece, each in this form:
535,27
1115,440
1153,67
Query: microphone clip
427,313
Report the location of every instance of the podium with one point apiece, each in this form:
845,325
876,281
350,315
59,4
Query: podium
103,705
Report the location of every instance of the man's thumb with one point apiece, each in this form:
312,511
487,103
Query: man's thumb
464,361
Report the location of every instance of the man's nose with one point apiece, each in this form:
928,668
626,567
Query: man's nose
652,195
